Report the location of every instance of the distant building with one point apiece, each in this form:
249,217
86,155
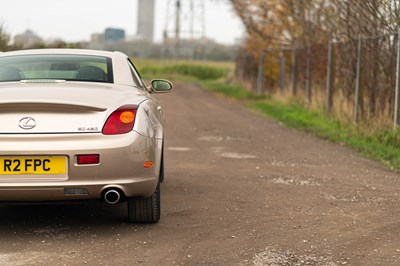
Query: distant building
114,35
145,30
97,38
28,39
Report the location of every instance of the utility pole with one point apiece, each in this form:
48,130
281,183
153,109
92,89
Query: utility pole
177,28
185,21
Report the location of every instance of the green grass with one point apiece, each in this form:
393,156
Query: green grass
383,145
231,90
183,69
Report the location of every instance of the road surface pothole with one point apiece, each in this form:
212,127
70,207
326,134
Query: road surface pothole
282,164
220,138
5,258
234,155
217,149
20,259
179,149
211,138
272,256
357,198
300,181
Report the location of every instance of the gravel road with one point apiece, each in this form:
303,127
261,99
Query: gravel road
240,189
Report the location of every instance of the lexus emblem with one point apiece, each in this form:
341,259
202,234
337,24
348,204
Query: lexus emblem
27,123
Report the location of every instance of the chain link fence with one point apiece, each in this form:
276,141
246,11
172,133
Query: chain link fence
357,80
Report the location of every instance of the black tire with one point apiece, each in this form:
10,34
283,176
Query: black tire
145,210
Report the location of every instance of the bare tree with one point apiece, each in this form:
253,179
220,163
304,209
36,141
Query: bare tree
308,25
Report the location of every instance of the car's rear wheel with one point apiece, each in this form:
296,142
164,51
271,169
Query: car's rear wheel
145,210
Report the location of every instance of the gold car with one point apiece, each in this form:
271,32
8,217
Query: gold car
80,125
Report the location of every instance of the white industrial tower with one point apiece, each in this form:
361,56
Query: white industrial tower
145,28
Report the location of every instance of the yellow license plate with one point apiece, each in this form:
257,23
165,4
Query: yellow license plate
33,165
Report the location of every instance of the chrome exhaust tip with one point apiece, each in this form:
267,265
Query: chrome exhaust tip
112,196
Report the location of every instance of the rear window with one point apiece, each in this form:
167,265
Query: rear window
56,67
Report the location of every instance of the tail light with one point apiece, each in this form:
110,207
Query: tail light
88,159
121,121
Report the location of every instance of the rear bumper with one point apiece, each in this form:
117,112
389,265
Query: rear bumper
121,166
74,190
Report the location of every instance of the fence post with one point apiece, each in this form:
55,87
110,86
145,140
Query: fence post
293,70
260,74
358,74
328,96
396,99
282,70
308,74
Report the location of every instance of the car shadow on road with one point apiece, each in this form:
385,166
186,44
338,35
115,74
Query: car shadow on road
71,215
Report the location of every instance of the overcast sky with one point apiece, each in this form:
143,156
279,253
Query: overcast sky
76,20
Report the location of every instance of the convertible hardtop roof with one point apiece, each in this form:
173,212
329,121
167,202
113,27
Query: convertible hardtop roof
121,70
61,51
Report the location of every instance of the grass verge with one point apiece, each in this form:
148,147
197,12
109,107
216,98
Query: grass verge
382,146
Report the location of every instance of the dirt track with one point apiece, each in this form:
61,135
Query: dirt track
240,189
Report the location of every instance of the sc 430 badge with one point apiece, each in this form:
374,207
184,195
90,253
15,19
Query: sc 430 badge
88,129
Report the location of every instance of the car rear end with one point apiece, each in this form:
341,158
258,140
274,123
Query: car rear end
63,137
69,149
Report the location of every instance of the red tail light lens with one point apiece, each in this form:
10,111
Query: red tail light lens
121,121
88,159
